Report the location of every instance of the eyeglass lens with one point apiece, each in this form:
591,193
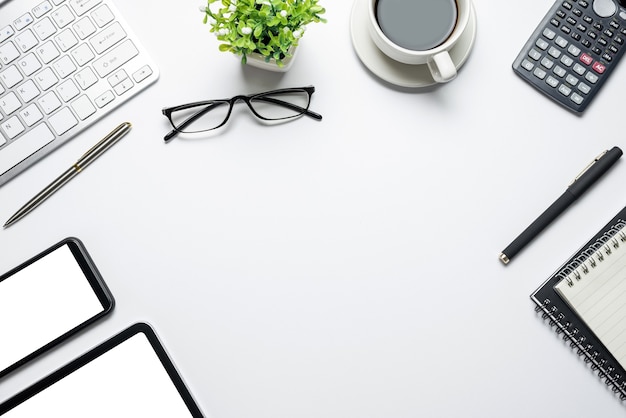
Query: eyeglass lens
268,106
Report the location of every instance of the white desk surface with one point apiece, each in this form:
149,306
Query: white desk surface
342,268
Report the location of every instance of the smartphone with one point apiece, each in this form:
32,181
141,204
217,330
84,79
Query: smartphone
46,300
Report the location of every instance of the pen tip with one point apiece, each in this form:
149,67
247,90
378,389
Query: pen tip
504,258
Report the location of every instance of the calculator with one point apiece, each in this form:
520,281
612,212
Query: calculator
574,50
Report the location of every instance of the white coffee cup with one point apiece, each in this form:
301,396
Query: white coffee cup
443,24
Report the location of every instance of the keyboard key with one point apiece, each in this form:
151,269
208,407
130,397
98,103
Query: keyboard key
26,40
29,64
9,103
68,90
82,54
62,121
64,66
141,74
107,38
86,78
115,58
5,33
11,76
83,107
12,127
46,78
81,7
44,29
23,21
27,144
102,15
66,40
105,98
28,91
8,52
31,114
84,28
42,9
47,52
49,103
63,16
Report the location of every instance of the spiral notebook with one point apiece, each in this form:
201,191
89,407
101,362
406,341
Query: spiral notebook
585,302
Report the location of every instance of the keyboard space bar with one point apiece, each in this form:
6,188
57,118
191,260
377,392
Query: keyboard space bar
24,146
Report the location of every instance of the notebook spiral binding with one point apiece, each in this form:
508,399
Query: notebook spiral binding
603,247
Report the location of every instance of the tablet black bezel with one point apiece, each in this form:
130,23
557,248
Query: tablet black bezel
98,351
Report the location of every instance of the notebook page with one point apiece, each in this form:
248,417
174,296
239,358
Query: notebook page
596,291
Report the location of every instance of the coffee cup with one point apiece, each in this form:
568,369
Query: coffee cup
420,32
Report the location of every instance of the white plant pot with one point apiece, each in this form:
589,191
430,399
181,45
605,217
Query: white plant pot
258,61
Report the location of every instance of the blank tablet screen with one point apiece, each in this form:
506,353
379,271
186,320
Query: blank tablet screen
124,377
45,299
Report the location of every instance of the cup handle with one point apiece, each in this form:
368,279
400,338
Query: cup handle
442,68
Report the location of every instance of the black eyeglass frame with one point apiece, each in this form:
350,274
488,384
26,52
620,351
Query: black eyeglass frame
210,105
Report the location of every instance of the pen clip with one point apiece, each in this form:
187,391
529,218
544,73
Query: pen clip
595,160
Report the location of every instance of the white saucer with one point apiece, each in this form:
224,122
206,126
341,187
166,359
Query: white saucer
394,72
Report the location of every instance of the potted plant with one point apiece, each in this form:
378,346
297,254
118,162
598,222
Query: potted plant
264,32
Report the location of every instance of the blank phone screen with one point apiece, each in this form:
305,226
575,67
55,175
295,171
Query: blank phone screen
42,302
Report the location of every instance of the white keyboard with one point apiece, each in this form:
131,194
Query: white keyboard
63,65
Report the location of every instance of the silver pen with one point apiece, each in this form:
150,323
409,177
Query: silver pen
90,156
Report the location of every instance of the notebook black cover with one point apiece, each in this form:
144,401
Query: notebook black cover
567,323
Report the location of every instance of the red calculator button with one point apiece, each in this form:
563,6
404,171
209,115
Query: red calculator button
598,68
586,59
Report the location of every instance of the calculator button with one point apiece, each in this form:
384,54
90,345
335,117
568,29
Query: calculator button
534,54
542,44
586,59
559,71
554,52
583,3
567,61
567,5
591,77
577,98
528,65
598,67
546,62
574,50
560,41
553,82
539,73
564,90
579,69
588,19
584,88
549,33
571,80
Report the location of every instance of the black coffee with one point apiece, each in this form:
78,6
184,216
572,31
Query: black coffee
416,24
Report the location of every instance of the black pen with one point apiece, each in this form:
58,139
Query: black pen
581,183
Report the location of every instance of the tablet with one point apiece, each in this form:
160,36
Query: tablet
46,300
130,375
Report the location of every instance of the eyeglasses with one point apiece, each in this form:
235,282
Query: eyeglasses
275,105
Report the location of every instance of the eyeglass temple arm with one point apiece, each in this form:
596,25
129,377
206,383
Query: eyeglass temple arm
187,121
291,106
